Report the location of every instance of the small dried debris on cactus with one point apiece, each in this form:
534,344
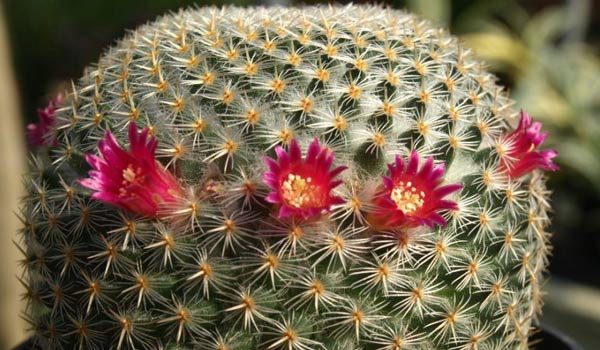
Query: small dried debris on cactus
285,178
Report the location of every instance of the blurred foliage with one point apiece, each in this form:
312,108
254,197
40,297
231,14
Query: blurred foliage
556,78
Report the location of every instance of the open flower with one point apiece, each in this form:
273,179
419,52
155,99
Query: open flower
302,187
132,180
41,134
411,197
518,150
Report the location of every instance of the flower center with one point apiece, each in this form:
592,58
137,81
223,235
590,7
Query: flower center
300,192
406,197
131,176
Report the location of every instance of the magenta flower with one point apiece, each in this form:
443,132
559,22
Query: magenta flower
520,155
132,180
302,187
411,197
41,134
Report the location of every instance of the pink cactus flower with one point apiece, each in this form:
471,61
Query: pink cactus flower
41,134
518,151
132,180
412,197
302,187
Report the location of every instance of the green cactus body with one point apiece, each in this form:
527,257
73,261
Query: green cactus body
220,88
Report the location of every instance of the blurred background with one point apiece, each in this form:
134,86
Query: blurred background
545,51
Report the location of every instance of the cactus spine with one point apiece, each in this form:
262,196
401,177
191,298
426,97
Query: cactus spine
217,258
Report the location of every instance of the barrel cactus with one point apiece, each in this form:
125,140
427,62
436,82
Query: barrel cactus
285,178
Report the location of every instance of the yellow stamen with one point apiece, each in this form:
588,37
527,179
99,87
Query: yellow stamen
130,176
300,192
406,197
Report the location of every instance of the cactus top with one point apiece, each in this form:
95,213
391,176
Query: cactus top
285,178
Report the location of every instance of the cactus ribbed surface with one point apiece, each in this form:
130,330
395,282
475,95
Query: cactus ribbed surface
220,257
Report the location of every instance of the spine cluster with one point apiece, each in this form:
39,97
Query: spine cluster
285,178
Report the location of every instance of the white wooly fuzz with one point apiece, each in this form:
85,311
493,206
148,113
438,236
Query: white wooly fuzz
221,89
